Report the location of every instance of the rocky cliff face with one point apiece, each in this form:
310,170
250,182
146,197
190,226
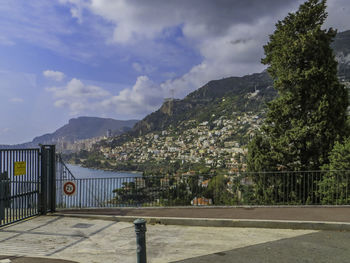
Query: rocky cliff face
202,103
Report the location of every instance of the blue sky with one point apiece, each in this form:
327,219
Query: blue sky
61,59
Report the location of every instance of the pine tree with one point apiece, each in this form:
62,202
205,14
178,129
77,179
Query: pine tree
309,114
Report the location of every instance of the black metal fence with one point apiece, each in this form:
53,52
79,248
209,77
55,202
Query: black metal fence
276,188
19,184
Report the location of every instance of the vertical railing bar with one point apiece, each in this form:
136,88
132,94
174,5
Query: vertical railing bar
30,156
86,202
22,187
285,188
26,183
101,193
96,185
347,186
12,155
114,186
80,191
91,198
337,189
334,189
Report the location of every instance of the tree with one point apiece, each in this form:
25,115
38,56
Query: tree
335,184
309,114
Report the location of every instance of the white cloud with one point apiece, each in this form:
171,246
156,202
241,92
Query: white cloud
76,89
78,97
16,100
228,36
144,96
55,75
76,8
140,68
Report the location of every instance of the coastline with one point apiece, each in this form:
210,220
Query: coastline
107,169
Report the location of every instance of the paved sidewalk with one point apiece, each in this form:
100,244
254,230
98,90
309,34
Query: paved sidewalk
307,213
85,237
102,241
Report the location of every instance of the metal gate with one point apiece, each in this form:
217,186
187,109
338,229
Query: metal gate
26,183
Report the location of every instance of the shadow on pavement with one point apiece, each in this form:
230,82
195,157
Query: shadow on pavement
325,246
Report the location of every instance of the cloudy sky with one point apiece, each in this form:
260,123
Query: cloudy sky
61,59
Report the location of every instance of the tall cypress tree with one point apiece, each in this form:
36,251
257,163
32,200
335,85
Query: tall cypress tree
309,114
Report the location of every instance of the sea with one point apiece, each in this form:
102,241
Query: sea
94,187
82,173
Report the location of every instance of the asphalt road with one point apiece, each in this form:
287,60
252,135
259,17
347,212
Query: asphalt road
324,246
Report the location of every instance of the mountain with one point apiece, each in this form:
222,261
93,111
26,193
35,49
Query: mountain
206,103
84,128
80,128
211,126
215,99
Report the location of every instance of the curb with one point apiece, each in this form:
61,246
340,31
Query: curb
209,222
206,207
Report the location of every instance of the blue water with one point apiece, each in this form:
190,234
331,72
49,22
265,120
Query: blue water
94,188
82,172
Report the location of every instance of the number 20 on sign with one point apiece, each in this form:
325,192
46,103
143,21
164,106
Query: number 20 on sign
69,188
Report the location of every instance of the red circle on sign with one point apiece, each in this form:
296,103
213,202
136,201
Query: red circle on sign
69,188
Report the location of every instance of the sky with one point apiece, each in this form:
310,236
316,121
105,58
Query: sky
61,59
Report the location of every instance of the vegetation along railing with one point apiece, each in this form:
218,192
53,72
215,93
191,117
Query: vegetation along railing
265,188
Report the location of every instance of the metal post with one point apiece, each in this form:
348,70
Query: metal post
43,185
140,229
48,179
52,186
5,193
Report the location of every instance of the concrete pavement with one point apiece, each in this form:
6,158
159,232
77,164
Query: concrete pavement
90,240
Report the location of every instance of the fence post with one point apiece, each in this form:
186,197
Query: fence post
5,193
52,174
48,179
140,229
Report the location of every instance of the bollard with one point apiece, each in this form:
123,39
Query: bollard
140,229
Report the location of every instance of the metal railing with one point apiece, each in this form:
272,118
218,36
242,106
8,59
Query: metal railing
90,192
275,188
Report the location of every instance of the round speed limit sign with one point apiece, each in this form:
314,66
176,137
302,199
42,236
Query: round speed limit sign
69,188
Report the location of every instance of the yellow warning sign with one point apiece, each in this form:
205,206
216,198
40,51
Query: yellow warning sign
20,168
